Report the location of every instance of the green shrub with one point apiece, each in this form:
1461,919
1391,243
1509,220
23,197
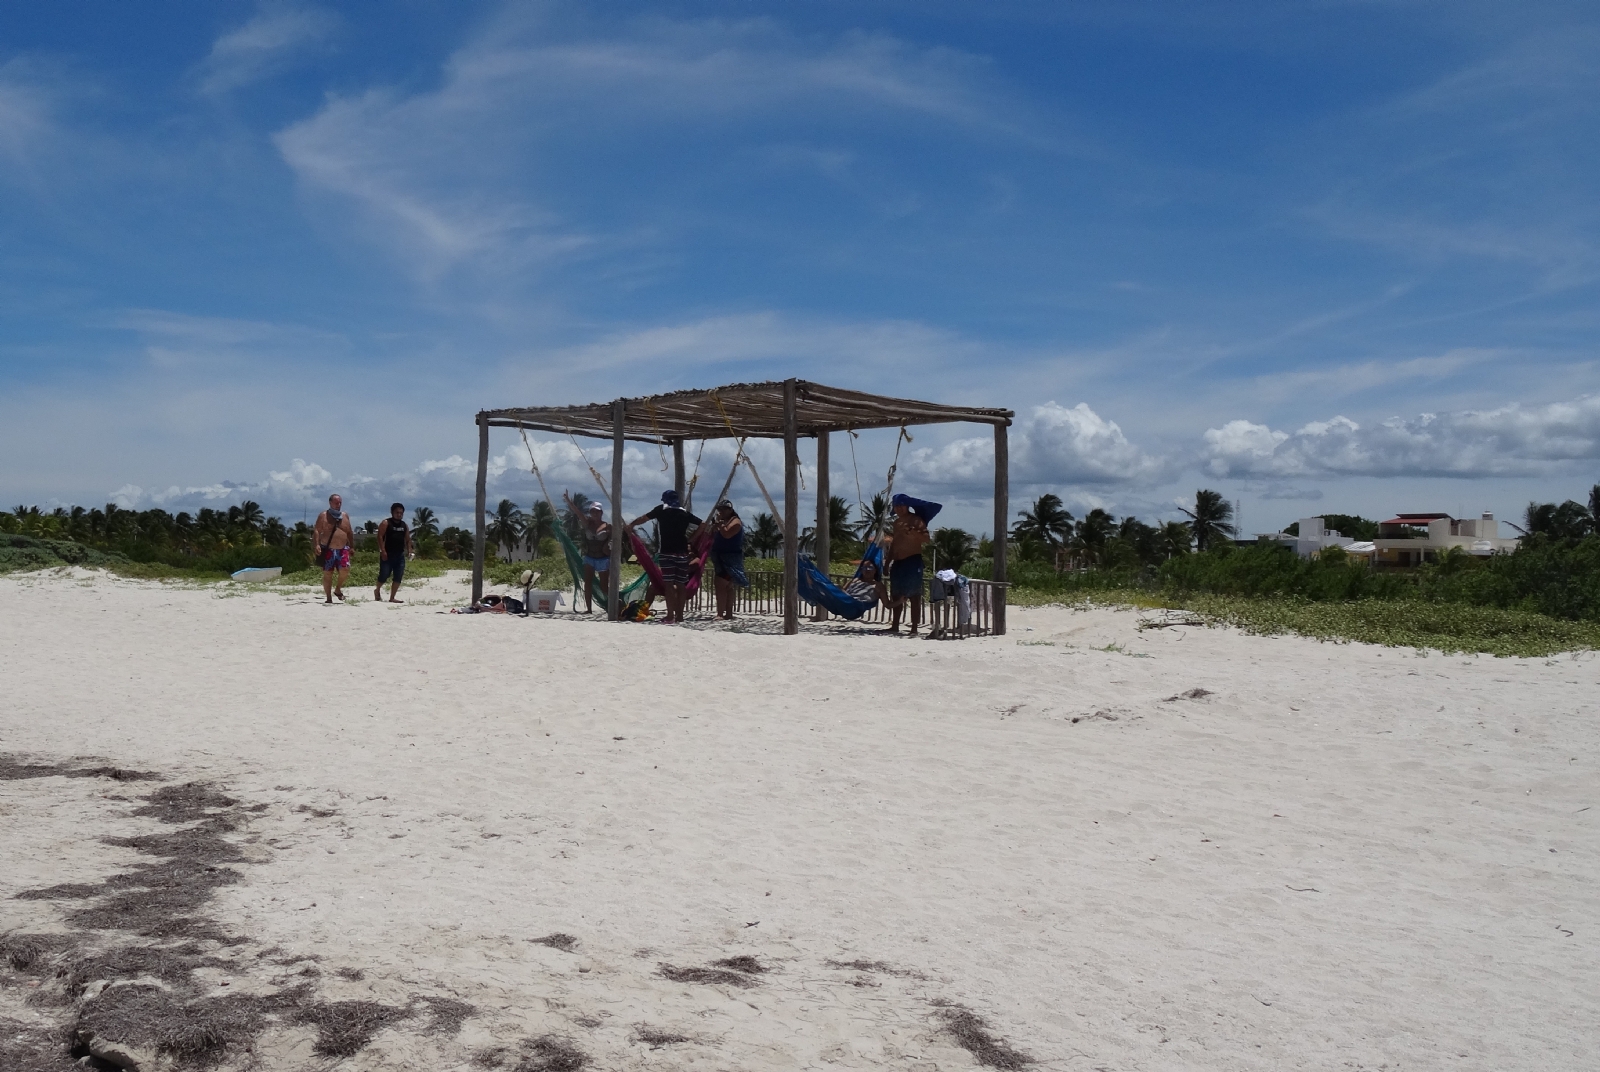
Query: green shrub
1273,570
27,553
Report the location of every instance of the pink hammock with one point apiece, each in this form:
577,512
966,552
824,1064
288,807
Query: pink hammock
697,561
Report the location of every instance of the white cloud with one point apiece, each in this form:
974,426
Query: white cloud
1510,441
24,117
443,174
449,485
1053,446
263,45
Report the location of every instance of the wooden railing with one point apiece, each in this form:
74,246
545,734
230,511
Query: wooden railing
941,619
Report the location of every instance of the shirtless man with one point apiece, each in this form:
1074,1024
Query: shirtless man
596,553
333,536
906,542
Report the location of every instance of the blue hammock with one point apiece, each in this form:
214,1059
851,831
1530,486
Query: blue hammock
818,590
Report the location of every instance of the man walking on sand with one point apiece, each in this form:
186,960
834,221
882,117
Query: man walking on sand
333,536
909,536
394,547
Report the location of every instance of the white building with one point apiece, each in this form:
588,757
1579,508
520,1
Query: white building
1412,539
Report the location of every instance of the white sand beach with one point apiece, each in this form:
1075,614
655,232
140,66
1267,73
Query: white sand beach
1336,857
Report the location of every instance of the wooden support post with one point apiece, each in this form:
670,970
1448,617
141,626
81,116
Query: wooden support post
824,549
614,576
791,513
677,472
1002,518
483,491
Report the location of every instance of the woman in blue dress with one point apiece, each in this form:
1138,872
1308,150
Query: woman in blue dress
727,556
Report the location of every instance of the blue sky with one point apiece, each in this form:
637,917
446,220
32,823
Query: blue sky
1335,256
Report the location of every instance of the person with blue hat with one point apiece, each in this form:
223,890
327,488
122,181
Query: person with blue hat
674,525
906,541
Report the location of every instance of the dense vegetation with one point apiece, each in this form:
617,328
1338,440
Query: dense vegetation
1541,597
208,541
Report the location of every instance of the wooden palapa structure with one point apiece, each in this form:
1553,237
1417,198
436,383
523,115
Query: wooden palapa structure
786,410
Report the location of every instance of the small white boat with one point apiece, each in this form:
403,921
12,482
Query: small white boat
259,573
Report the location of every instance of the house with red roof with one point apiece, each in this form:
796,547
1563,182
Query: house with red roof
1408,540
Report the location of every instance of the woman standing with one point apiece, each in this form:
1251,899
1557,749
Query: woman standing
596,553
727,556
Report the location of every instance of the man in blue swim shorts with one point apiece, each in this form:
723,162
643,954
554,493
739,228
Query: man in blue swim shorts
906,542
596,553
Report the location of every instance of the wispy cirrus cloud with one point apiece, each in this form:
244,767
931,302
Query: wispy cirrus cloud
24,112
444,175
265,44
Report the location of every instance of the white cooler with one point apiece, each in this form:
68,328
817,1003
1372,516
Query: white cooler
540,601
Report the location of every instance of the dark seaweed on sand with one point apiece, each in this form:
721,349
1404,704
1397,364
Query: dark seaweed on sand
747,964
547,1053
445,1015
655,1039
711,976
31,953
876,966
185,803
160,899
345,1027
564,942
972,1034
14,768
26,1047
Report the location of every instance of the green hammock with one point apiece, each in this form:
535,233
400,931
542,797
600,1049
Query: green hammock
575,567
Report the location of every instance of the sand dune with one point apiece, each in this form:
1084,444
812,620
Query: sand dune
1336,857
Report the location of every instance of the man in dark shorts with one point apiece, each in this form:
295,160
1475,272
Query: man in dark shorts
333,536
906,542
394,547
674,525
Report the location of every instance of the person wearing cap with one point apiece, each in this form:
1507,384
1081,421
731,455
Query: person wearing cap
596,552
727,556
674,525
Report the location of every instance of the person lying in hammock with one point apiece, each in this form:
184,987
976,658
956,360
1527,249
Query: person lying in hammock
674,526
867,585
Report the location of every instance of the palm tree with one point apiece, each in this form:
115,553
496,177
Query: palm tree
574,505
457,542
955,547
1049,522
1566,521
424,524
273,532
765,537
251,515
841,533
1141,539
1090,535
505,526
1175,539
875,518
1211,519
540,527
